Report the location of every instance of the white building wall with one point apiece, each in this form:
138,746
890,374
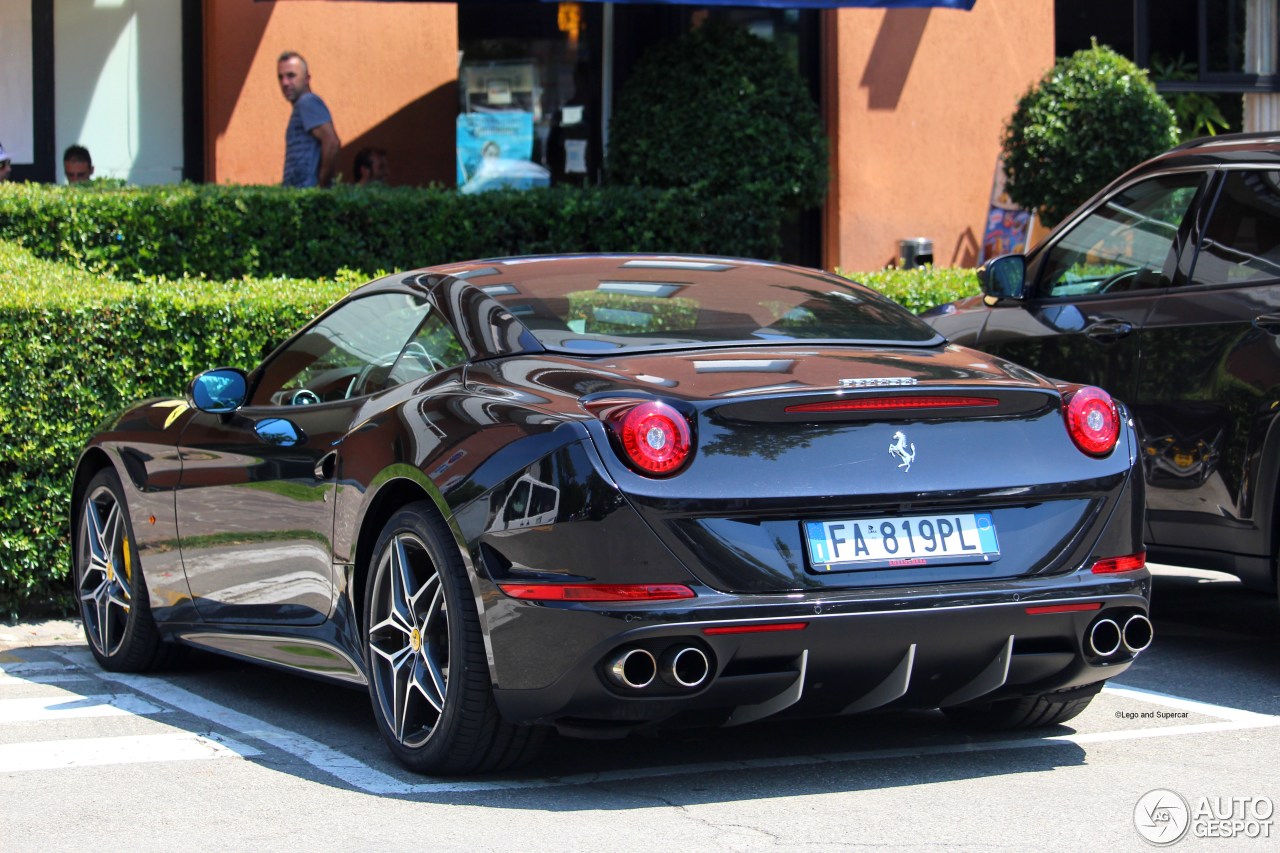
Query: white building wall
118,86
17,120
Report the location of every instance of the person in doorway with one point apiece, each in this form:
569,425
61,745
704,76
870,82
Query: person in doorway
371,167
6,163
77,165
310,142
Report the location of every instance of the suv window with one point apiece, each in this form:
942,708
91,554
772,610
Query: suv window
1124,243
1242,240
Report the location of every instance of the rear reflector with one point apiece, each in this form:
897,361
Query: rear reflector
1128,563
756,629
596,591
882,404
1064,608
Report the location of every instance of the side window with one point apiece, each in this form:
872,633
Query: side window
434,347
1242,240
338,357
1124,243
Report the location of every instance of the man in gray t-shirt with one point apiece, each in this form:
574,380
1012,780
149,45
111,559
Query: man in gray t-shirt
310,142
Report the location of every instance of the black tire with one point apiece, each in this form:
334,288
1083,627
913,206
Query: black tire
1027,712
428,673
109,583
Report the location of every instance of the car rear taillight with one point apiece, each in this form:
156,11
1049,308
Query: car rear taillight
1092,420
654,438
1115,565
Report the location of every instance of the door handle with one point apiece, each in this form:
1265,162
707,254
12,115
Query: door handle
1107,330
327,465
1269,323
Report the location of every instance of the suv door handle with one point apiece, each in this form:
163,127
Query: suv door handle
1269,323
1107,330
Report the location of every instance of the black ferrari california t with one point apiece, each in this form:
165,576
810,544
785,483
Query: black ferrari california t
609,492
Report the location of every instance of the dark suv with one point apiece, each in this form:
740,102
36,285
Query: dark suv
1165,289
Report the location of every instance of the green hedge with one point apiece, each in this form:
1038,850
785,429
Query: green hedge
225,232
921,288
747,125
78,347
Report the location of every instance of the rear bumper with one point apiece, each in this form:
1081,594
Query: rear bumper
841,653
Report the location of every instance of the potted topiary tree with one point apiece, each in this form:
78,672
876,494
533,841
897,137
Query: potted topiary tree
1091,117
721,109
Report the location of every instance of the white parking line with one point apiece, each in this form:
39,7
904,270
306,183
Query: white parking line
1192,706
22,669
350,770
53,678
90,752
27,710
365,778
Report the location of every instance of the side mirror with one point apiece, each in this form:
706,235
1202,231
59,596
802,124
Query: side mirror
278,432
220,391
1004,277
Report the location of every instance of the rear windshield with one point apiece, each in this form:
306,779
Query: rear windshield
595,304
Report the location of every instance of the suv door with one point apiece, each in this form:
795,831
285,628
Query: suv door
1211,373
1093,286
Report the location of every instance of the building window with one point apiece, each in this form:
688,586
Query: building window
528,83
1197,51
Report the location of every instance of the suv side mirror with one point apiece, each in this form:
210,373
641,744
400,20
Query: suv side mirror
219,392
1004,277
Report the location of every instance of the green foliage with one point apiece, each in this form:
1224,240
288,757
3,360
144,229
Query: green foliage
621,313
920,288
721,109
1091,117
78,347
226,232
1198,113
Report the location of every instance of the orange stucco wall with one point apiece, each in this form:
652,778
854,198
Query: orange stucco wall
387,71
920,98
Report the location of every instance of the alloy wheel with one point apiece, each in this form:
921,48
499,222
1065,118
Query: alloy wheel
106,571
409,640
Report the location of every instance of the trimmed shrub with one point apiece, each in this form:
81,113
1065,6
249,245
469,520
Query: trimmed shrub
921,288
1091,117
78,347
227,232
720,109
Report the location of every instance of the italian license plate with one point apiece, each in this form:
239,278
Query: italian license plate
901,541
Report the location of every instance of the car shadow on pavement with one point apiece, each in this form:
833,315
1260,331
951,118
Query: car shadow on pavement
761,760
1216,642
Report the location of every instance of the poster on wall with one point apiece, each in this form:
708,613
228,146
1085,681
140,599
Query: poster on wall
494,150
1008,228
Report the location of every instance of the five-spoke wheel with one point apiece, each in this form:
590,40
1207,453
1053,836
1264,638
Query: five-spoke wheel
109,582
428,674
409,640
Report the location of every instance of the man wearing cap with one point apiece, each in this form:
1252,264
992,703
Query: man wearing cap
310,142
6,163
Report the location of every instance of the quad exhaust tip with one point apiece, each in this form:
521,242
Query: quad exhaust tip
1137,633
1108,637
632,668
684,666
1105,638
